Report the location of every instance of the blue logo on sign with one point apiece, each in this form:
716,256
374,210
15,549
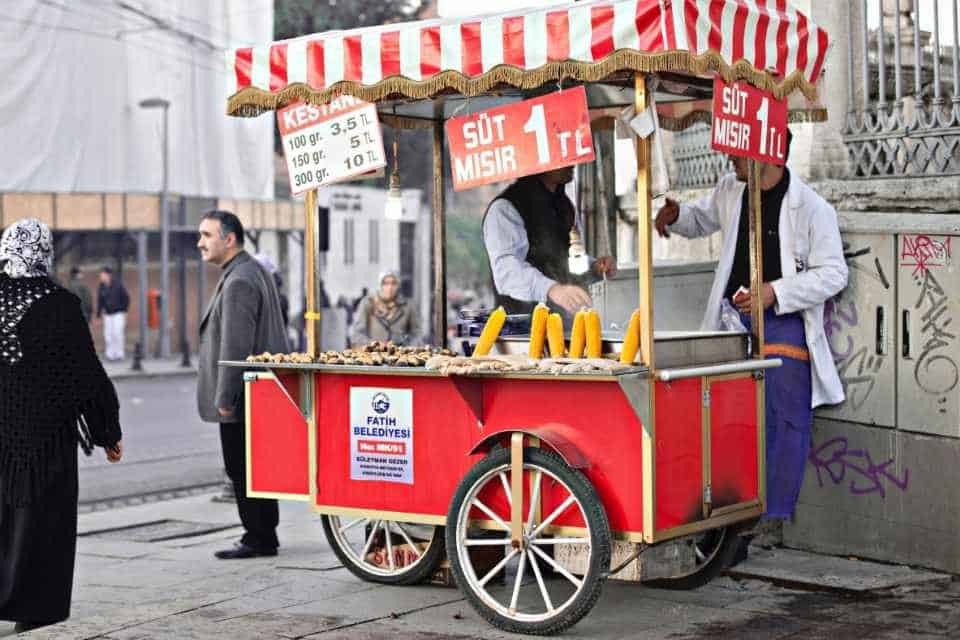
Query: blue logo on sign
381,403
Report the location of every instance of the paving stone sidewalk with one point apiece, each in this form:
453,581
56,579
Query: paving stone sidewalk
130,588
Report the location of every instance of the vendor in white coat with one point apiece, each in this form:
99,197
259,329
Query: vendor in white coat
803,267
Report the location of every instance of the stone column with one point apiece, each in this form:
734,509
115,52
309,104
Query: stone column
818,151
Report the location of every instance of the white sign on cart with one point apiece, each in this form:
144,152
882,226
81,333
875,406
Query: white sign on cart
381,434
330,143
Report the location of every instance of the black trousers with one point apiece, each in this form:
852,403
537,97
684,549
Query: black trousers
258,516
37,549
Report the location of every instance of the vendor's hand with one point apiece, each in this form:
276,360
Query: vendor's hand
569,296
114,453
226,413
768,297
667,215
605,266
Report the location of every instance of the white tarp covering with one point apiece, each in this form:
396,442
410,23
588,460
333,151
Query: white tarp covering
72,73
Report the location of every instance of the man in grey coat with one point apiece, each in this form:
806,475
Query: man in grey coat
243,318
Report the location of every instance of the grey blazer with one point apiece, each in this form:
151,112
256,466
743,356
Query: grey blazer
243,318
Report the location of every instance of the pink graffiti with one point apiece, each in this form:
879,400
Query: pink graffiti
835,458
924,253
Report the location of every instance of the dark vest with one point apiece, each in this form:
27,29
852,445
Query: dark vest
547,218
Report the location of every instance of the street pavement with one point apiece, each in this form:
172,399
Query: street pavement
167,449
130,589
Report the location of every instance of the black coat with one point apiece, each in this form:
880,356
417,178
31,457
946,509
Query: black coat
112,298
56,396
243,318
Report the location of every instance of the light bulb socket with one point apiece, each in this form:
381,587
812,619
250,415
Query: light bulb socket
577,261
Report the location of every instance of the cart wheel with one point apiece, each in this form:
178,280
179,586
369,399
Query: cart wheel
714,550
516,594
385,551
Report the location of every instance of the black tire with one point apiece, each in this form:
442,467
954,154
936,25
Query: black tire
722,546
592,583
416,573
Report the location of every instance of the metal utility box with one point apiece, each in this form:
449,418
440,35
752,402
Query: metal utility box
928,375
860,325
893,336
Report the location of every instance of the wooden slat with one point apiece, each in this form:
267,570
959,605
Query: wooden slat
756,258
644,233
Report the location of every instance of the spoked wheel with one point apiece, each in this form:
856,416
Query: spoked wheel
524,590
385,551
713,550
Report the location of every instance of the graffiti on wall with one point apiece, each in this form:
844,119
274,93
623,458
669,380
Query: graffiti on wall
923,253
858,365
837,463
935,372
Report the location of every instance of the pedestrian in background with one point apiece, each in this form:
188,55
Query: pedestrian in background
82,291
55,394
113,301
386,315
242,318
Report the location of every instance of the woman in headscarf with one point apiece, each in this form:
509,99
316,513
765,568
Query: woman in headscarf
386,315
54,395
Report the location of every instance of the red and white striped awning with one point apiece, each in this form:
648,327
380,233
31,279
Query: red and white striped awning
766,42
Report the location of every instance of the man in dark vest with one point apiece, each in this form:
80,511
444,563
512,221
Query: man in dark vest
526,230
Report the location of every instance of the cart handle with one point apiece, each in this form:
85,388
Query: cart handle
666,375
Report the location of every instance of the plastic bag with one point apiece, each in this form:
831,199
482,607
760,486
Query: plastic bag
730,317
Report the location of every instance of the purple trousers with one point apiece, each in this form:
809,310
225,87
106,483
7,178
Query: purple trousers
788,413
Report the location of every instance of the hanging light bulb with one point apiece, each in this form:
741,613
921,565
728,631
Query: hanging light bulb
393,208
577,261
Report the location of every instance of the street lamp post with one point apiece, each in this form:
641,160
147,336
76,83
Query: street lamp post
163,333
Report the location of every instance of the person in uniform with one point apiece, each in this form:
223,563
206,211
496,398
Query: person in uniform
526,231
803,267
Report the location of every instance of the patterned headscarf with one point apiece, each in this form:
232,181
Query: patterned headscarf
26,249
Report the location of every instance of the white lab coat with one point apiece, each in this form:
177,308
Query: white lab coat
811,259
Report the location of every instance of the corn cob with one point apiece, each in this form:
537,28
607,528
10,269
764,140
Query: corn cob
538,329
555,335
578,336
594,339
490,332
631,339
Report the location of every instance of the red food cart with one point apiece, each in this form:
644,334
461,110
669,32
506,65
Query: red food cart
536,488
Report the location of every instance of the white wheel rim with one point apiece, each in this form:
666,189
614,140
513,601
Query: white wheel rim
396,558
529,560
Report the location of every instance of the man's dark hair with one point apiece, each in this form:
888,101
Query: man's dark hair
786,155
229,223
74,271
107,269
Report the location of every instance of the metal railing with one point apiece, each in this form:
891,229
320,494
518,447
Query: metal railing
893,129
698,166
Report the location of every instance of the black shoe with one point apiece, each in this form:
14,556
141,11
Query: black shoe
23,627
241,551
742,552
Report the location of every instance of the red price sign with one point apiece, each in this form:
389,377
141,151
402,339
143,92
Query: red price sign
520,139
748,122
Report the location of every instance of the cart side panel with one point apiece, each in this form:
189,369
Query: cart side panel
593,417
734,441
277,440
445,426
679,454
